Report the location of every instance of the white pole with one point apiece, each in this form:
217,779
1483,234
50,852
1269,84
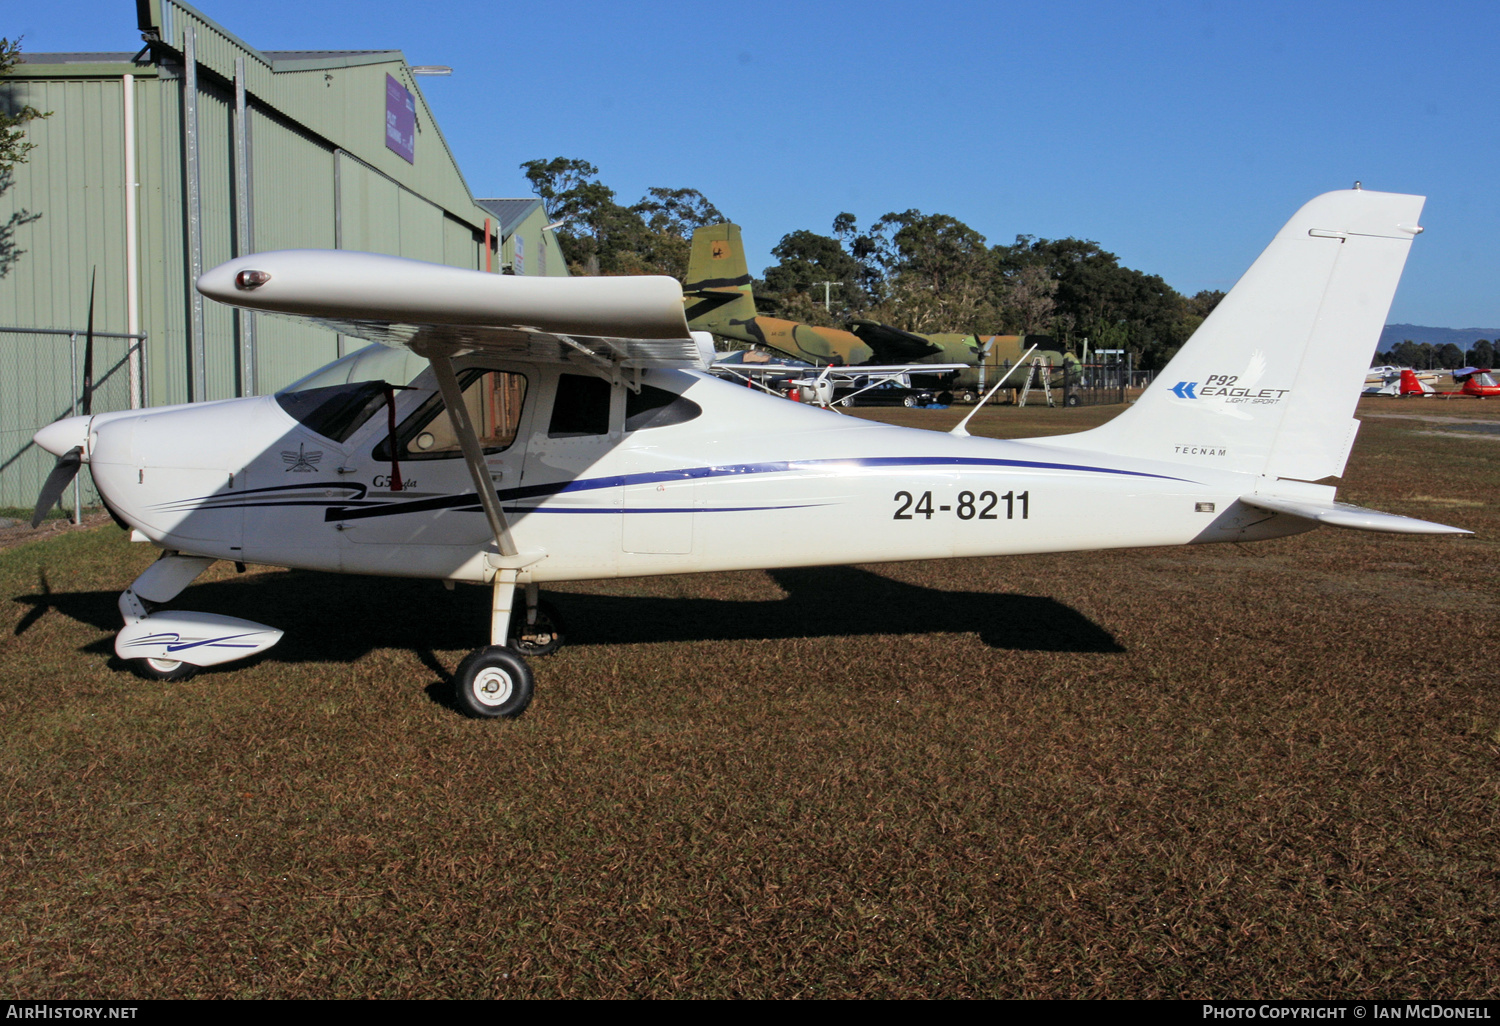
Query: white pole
132,296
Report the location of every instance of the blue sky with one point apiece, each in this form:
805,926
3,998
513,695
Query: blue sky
1179,135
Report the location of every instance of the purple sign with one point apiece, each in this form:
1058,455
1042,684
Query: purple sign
400,120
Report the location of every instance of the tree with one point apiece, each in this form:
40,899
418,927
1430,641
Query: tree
13,149
671,216
1482,354
600,236
1115,307
808,259
1449,356
13,143
931,272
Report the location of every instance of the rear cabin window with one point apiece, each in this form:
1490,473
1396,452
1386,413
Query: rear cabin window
581,407
335,411
656,407
494,400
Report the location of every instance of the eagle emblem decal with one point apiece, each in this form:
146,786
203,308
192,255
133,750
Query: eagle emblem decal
301,462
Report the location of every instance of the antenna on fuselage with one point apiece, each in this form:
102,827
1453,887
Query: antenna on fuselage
959,428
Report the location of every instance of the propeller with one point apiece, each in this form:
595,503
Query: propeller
66,467
57,482
88,352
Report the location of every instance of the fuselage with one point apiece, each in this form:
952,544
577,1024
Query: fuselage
702,476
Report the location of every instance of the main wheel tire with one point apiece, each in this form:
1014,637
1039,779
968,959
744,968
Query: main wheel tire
970,397
163,669
541,638
492,683
1071,400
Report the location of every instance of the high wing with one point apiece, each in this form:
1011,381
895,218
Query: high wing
431,309
443,312
891,343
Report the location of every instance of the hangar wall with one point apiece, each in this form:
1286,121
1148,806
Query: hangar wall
238,151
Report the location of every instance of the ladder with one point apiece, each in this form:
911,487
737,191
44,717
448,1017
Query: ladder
1031,375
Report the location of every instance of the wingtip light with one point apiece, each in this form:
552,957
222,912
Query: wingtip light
247,280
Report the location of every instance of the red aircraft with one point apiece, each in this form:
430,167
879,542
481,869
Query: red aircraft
1413,385
1477,381
1474,381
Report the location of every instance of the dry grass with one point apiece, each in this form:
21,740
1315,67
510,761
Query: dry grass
1265,771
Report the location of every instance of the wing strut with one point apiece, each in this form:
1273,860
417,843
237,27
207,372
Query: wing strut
468,441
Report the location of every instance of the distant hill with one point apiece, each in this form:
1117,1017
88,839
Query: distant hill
1464,338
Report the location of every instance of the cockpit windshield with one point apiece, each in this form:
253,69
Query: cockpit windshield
336,399
372,363
334,411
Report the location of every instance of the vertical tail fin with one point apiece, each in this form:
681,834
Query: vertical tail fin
1268,384
1413,385
718,278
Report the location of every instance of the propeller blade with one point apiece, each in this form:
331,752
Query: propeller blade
57,481
88,353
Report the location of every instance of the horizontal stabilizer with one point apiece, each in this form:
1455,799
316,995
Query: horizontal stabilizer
1341,514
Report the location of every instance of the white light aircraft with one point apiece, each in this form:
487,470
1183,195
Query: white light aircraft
516,431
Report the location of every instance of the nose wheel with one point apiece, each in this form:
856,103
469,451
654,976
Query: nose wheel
163,669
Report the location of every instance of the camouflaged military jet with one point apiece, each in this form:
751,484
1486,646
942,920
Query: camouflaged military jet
719,299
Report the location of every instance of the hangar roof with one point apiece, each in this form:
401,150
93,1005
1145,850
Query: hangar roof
510,212
77,58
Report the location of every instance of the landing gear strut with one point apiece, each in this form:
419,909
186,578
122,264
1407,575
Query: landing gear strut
494,682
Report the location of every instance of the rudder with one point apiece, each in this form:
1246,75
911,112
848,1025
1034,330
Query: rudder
1269,382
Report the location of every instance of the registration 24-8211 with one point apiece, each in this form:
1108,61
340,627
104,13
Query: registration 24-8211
985,506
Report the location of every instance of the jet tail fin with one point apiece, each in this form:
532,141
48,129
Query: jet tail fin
718,278
1268,384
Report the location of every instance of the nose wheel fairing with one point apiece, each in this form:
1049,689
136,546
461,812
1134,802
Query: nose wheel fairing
159,642
199,639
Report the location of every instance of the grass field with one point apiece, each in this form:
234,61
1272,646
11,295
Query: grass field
1261,771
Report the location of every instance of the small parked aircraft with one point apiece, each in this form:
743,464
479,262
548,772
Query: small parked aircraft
720,300
516,431
1475,381
1413,384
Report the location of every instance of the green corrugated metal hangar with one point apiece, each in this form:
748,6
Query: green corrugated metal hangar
232,150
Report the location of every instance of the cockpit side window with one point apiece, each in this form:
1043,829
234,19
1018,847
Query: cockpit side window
656,407
581,407
335,411
494,400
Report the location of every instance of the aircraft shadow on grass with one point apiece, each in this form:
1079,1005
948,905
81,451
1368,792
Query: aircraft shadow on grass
327,620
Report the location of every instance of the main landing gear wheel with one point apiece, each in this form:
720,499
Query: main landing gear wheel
1071,400
163,669
537,639
492,683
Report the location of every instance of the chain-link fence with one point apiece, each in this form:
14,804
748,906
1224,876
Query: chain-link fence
1100,384
41,380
